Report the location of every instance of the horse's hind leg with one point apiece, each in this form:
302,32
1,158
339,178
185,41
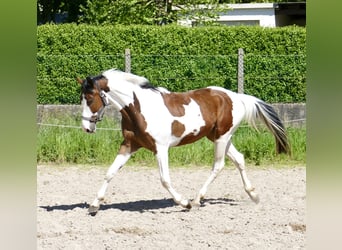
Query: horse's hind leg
120,160
220,150
238,159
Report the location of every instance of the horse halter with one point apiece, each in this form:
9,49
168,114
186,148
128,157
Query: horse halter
99,114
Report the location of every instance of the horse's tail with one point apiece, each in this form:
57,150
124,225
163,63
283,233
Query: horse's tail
258,110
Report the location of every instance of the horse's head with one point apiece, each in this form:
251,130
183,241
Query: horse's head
93,101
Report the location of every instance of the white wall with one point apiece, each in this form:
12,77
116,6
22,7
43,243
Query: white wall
249,14
262,14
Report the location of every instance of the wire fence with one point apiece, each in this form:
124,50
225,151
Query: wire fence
119,129
69,116
74,127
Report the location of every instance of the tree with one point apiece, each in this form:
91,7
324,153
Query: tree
134,11
48,10
118,12
148,11
260,1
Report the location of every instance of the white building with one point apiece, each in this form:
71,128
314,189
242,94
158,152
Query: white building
249,14
261,14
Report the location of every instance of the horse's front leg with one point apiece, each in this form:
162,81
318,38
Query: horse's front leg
162,157
120,160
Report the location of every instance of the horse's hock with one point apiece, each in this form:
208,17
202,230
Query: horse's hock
292,114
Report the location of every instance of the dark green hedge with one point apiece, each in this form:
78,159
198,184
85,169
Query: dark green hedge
175,57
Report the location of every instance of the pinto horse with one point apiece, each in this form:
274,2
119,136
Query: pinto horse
157,119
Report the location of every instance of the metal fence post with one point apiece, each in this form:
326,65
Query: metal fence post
128,60
240,71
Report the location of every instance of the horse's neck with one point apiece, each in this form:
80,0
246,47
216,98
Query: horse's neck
123,87
124,96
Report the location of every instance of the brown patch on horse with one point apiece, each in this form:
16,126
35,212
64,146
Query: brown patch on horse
177,128
134,128
94,101
216,108
221,107
92,93
175,101
103,83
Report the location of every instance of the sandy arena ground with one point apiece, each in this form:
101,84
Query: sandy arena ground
139,214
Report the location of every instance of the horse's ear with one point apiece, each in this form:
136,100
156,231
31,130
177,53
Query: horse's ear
79,80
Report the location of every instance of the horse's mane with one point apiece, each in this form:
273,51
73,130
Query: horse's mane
132,78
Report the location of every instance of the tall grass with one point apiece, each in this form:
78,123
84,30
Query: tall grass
65,145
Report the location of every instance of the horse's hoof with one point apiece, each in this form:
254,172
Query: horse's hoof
186,204
254,197
195,204
189,206
92,210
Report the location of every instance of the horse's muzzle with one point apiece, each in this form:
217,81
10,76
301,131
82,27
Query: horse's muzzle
88,130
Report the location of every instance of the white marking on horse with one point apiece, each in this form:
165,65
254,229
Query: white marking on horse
192,121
